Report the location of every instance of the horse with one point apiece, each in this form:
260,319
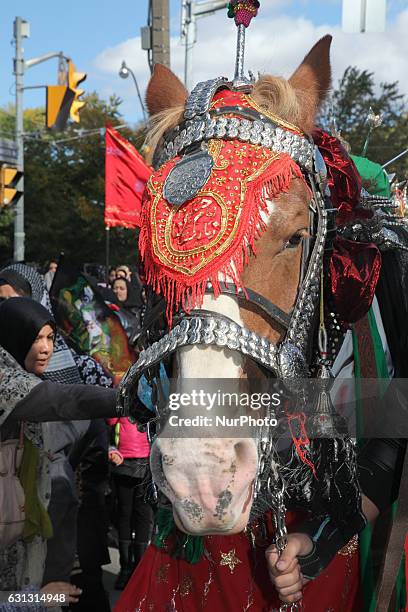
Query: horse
235,236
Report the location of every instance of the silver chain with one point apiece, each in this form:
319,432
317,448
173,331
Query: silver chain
257,132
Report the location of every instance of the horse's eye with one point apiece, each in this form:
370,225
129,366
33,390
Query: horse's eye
294,241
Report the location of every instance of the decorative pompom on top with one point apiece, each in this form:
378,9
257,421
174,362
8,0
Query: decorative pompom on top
243,11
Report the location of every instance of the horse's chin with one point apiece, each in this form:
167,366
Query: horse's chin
228,529
232,527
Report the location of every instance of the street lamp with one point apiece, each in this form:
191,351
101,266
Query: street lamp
124,73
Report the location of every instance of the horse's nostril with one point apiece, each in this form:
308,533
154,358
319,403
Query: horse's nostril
244,451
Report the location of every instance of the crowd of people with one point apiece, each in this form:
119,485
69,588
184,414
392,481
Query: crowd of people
75,472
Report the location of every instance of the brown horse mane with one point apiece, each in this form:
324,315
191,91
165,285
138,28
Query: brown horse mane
274,95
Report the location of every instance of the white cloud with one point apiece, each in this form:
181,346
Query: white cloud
276,44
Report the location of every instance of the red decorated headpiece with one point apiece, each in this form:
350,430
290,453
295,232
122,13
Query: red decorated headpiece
184,247
354,267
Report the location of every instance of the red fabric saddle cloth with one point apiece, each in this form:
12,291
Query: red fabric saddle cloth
233,576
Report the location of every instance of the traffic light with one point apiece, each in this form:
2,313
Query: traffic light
63,101
59,100
74,79
10,191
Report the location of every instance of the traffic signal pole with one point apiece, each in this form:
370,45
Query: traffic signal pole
19,235
22,30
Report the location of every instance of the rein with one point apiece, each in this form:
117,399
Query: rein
244,295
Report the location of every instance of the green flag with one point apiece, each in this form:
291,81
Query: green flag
374,177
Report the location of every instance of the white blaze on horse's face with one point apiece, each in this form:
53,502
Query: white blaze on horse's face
208,480
271,208
211,361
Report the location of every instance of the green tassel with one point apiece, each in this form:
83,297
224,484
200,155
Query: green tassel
165,526
190,548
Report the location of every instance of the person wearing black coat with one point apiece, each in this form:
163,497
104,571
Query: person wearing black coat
27,332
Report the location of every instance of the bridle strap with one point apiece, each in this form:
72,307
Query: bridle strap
244,295
258,300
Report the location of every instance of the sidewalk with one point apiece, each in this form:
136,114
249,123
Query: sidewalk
110,573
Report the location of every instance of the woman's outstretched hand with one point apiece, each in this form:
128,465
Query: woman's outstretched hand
284,570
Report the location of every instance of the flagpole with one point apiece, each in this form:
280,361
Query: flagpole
107,239
394,158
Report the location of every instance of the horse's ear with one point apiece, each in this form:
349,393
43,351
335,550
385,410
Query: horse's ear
314,78
164,90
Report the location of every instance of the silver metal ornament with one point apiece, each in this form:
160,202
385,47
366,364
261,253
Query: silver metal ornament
187,177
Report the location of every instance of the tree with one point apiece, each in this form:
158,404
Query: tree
6,234
348,108
33,120
64,188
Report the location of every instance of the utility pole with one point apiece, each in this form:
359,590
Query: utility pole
160,33
21,30
155,37
190,10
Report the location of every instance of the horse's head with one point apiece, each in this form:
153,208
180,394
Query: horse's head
235,206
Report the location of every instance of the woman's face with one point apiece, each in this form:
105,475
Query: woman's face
120,289
39,355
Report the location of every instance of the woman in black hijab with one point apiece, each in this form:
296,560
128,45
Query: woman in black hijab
27,331
11,282
22,321
20,280
128,295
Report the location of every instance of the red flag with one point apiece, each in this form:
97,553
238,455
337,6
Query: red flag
126,174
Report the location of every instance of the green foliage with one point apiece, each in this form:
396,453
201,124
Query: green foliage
33,120
347,111
65,188
6,231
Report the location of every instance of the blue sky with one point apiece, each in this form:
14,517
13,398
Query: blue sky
97,34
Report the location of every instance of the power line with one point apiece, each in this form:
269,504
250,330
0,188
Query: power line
43,136
82,134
